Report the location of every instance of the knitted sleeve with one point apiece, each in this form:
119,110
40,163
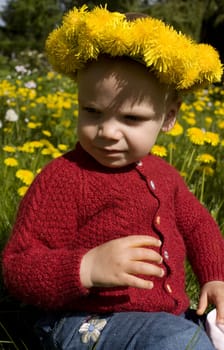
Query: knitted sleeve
203,239
40,264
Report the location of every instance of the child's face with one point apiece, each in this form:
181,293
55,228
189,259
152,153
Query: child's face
122,108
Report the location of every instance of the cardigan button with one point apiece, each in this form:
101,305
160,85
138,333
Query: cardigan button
168,288
152,185
166,254
139,163
158,220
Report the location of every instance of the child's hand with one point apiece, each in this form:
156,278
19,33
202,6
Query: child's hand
118,262
213,293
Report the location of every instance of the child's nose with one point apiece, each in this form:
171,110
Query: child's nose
109,130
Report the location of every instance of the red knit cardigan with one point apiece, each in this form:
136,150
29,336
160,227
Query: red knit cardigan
75,204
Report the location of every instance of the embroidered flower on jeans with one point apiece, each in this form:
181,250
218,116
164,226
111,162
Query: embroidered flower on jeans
90,330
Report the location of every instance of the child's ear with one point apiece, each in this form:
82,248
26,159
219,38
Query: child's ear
171,117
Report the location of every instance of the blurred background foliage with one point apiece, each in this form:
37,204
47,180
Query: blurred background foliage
26,23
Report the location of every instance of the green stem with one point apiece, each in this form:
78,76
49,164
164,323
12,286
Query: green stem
202,186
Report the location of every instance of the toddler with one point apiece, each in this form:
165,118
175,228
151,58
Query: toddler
101,237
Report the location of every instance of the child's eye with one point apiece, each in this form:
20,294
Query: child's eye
91,110
132,118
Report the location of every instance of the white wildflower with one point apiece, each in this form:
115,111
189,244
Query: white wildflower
30,84
11,115
21,69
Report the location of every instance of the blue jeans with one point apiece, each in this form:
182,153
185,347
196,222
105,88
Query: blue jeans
122,331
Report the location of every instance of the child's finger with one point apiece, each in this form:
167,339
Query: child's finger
220,313
203,303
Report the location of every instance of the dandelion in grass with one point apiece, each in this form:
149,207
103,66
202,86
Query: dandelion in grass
212,138
196,136
208,121
46,151
22,190
207,170
62,147
56,154
205,158
160,151
9,149
29,147
176,130
36,144
32,125
189,120
26,176
46,133
183,174
221,124
11,162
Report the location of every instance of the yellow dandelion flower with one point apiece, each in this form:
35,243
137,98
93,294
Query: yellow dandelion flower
32,125
207,170
205,158
196,136
222,143
46,133
183,174
46,151
212,138
160,151
66,123
11,162
9,149
56,154
172,146
36,144
50,75
175,58
221,124
189,120
26,176
208,121
22,191
62,147
176,130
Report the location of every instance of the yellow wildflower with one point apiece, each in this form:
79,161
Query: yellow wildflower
205,158
189,120
22,191
33,125
176,130
12,162
196,136
9,149
26,176
208,121
221,124
159,151
207,170
56,154
62,147
46,133
212,138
